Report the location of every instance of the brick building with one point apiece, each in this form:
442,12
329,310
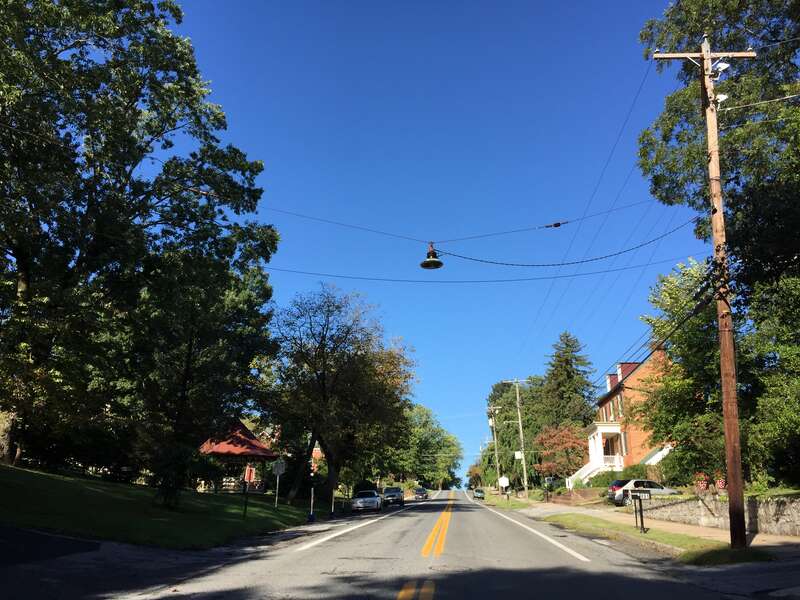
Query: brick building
615,439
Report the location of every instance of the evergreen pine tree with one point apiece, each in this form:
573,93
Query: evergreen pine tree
567,393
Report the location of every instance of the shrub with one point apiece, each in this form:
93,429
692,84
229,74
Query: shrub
634,472
536,495
604,479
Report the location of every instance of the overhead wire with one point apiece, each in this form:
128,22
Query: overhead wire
589,300
574,262
652,344
553,225
591,197
751,104
269,267
620,308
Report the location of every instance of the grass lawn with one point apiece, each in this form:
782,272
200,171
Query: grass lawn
126,513
696,551
501,502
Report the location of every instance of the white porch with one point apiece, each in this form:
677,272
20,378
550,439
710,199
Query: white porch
606,449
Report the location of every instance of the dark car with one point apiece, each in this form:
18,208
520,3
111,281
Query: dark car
393,495
420,493
615,490
478,494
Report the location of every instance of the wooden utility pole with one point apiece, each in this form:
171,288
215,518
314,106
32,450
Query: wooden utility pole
727,350
521,441
493,423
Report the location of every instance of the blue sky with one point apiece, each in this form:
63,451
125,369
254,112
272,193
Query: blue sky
436,120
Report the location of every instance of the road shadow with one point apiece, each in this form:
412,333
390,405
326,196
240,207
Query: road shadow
480,584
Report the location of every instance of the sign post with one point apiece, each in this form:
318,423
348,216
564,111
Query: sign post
638,511
279,468
503,482
249,477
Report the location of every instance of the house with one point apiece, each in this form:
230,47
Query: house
614,441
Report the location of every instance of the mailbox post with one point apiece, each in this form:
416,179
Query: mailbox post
638,509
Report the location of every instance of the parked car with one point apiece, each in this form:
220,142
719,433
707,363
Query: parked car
619,492
420,493
366,500
478,494
393,495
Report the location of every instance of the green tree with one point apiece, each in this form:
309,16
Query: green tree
98,213
760,161
337,379
760,145
774,346
683,403
567,392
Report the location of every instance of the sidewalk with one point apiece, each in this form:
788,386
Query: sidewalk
780,545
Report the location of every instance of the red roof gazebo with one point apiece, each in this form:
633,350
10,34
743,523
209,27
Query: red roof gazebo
239,443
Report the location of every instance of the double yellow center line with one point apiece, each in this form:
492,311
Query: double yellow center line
438,535
434,543
409,591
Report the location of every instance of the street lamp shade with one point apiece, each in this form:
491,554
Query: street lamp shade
432,260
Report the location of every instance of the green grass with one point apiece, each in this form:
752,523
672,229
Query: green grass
773,492
501,502
696,551
126,513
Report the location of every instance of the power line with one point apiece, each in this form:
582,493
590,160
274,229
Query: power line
591,196
589,301
697,296
778,43
537,227
347,225
597,232
574,262
269,267
760,103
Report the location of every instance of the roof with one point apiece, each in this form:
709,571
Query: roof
240,441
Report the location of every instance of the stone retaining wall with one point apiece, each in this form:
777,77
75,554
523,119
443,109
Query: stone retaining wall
774,515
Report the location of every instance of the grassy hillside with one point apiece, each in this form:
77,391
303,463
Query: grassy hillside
126,513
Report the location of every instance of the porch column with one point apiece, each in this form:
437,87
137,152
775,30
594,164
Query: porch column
599,442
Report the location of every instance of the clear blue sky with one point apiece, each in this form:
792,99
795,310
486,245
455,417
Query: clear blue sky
437,120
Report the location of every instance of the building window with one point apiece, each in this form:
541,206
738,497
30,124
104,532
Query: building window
624,443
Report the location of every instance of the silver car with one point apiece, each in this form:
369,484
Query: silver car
366,500
620,491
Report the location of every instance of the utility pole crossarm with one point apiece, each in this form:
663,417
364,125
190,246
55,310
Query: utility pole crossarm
678,55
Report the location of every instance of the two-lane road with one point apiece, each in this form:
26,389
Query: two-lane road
447,547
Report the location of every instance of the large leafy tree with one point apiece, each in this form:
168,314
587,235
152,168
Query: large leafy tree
338,380
119,264
759,145
759,135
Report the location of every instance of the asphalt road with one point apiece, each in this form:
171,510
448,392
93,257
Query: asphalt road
446,547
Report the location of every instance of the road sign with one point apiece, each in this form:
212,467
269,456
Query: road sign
249,474
503,481
279,467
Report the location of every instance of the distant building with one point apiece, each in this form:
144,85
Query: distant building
616,442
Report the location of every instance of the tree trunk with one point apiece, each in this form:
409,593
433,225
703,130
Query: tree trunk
301,471
7,452
332,482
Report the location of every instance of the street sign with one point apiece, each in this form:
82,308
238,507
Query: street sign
503,481
279,467
518,455
249,474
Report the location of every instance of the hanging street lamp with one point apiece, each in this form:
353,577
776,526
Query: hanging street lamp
432,261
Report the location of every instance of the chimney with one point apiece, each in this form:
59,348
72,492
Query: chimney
611,380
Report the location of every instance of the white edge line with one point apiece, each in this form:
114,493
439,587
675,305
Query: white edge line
569,551
349,529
